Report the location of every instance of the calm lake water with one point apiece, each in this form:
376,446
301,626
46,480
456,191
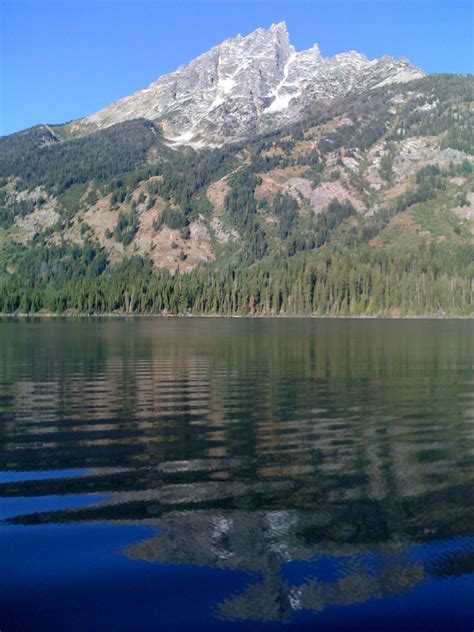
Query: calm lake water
218,474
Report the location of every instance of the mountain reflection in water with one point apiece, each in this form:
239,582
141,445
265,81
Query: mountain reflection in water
329,462
262,543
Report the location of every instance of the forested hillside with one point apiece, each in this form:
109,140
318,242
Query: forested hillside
364,208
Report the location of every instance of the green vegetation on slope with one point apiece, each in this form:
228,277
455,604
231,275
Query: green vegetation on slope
358,210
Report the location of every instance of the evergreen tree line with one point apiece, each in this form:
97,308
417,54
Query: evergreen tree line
364,282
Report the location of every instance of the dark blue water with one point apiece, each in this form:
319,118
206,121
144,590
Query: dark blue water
214,474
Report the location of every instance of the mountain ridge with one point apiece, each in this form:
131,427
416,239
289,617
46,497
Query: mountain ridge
247,85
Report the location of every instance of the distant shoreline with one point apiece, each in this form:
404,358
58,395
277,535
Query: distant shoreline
234,316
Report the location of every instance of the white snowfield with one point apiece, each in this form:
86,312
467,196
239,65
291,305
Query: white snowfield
247,85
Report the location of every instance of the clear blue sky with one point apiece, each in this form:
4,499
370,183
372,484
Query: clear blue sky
64,59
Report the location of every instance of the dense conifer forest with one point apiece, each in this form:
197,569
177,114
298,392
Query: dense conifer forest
364,209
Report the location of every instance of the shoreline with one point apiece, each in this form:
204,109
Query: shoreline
51,315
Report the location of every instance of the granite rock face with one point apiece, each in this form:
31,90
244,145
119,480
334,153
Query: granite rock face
247,85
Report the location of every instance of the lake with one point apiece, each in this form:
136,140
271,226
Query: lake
234,474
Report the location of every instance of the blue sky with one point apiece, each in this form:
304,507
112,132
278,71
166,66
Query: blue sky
64,59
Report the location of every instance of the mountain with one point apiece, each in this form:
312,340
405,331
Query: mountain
248,85
360,202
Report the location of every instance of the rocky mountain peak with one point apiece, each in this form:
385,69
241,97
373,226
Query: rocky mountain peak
247,85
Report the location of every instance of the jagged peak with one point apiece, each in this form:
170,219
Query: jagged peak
314,52
351,55
279,26
233,89
274,30
280,29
